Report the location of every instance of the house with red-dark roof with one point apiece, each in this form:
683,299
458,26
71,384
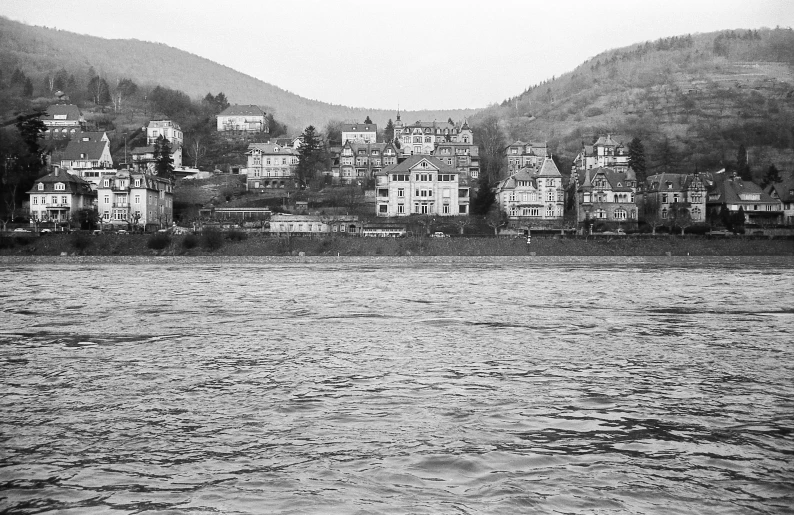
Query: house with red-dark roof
62,121
605,195
606,152
733,193
421,184
242,118
533,197
783,192
359,132
525,155
87,159
58,196
360,161
665,191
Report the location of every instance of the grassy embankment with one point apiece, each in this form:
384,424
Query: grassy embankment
264,245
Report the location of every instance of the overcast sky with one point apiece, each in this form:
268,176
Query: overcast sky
419,54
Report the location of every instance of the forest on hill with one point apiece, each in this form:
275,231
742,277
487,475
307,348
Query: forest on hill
693,100
40,52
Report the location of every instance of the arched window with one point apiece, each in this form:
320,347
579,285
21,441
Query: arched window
620,214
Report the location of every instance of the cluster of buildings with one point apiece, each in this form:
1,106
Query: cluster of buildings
429,168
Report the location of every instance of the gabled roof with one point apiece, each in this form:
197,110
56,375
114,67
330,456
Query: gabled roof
616,180
71,111
523,175
242,110
730,189
72,183
156,124
783,190
91,150
549,169
412,161
677,181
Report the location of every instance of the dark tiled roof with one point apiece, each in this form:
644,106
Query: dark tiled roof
72,183
730,188
359,127
613,177
270,148
71,111
242,110
783,190
92,150
549,169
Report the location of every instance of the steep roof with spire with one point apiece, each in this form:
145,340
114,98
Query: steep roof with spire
549,169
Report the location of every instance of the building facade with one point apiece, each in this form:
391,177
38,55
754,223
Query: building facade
270,166
308,225
58,196
167,129
242,118
464,157
62,121
734,193
783,192
604,153
86,158
359,132
525,155
606,195
533,197
421,184
144,160
422,137
358,162
666,191
135,198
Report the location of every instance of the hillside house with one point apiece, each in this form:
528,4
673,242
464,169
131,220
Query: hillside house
135,198
783,192
144,160
359,133
87,159
270,166
167,129
733,193
533,197
525,155
604,153
606,195
423,185
464,157
423,137
666,190
63,121
58,196
360,161
242,118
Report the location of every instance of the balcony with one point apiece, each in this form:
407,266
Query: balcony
121,205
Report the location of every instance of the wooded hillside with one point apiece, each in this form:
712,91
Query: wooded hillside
693,100
40,51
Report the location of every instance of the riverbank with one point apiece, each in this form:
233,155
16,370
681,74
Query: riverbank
112,245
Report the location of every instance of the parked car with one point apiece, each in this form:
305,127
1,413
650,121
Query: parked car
20,229
439,234
45,231
122,231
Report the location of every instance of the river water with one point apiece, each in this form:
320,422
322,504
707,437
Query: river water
361,388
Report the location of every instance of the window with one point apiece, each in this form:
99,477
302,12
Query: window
463,209
601,214
383,209
664,214
63,200
664,198
400,209
54,199
400,192
445,209
35,200
60,186
41,186
620,214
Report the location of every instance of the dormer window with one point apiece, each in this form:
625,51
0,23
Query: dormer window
107,183
59,186
669,185
41,186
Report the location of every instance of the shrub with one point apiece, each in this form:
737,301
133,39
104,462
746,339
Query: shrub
81,241
159,241
593,111
6,243
211,238
190,241
236,235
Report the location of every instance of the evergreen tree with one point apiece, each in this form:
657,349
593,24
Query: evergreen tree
27,89
309,157
742,166
637,159
388,133
667,157
772,176
164,163
368,121
486,197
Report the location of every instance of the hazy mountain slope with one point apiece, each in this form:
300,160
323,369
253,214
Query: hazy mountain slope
693,100
38,51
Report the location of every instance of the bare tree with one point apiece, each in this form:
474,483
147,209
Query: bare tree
491,139
195,149
496,219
